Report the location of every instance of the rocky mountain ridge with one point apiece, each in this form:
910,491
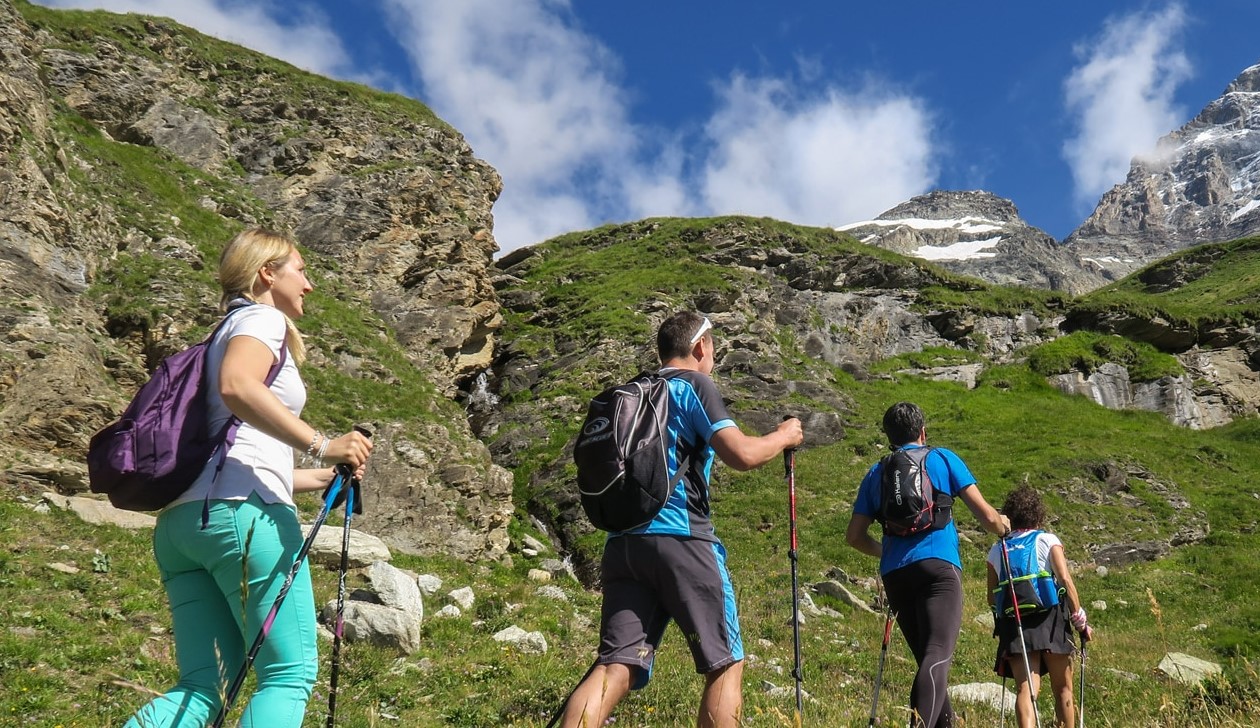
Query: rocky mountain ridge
1200,184
980,234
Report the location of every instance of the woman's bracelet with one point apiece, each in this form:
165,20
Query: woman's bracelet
323,448
309,454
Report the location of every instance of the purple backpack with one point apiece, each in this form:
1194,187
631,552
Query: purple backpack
162,442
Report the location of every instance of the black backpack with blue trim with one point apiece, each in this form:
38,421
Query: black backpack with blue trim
622,466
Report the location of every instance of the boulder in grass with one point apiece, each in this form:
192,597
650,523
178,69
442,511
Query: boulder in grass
1187,669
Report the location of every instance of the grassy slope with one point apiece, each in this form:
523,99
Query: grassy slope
1222,286
74,635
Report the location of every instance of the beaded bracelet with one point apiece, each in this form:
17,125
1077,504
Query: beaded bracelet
309,455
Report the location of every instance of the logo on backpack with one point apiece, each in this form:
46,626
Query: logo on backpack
908,503
622,469
161,443
595,429
1035,588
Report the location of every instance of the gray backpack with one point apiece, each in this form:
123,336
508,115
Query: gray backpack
622,467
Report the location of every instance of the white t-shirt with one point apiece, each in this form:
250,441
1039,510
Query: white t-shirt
257,463
1045,542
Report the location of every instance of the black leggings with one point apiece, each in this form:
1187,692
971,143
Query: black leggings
927,597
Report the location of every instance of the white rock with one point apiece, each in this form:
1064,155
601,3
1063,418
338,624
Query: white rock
429,584
551,591
990,694
527,642
463,597
1187,669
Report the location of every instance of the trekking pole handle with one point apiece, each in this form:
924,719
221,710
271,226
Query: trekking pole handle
344,468
344,481
789,454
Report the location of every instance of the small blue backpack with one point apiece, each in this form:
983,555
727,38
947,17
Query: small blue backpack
1035,589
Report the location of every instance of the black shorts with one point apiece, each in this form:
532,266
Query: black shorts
1049,631
649,580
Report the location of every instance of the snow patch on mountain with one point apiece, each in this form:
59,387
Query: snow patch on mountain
969,250
1245,209
967,225
976,233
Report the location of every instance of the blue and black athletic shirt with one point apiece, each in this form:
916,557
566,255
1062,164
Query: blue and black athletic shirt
696,413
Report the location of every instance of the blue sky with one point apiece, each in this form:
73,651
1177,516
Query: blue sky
815,111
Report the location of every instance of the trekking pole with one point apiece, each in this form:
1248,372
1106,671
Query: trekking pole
353,505
1081,707
789,466
343,474
879,673
1019,624
1002,715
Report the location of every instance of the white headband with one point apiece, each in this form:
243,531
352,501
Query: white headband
704,326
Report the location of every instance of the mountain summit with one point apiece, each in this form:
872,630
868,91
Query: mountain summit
980,234
1201,184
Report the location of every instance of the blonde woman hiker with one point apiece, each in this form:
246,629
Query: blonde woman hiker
1049,609
200,538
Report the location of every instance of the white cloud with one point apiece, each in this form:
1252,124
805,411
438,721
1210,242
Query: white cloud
822,160
1122,96
539,99
293,33
544,102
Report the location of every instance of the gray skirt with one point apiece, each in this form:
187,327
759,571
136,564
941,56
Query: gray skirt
1044,631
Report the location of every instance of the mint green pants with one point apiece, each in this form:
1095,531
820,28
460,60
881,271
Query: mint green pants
215,624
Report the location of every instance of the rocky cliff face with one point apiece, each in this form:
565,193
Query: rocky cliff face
385,194
1200,184
979,234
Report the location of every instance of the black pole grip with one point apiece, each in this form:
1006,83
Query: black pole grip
344,470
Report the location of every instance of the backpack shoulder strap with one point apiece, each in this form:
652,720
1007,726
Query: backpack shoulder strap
942,501
688,451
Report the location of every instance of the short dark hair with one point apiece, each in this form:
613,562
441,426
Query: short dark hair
673,339
1024,507
903,422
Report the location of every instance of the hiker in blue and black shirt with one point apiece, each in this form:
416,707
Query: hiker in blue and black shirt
675,566
922,572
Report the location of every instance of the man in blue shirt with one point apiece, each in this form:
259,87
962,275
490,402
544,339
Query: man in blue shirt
675,566
922,572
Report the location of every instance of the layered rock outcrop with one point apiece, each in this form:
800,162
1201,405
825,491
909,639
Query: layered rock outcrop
130,142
